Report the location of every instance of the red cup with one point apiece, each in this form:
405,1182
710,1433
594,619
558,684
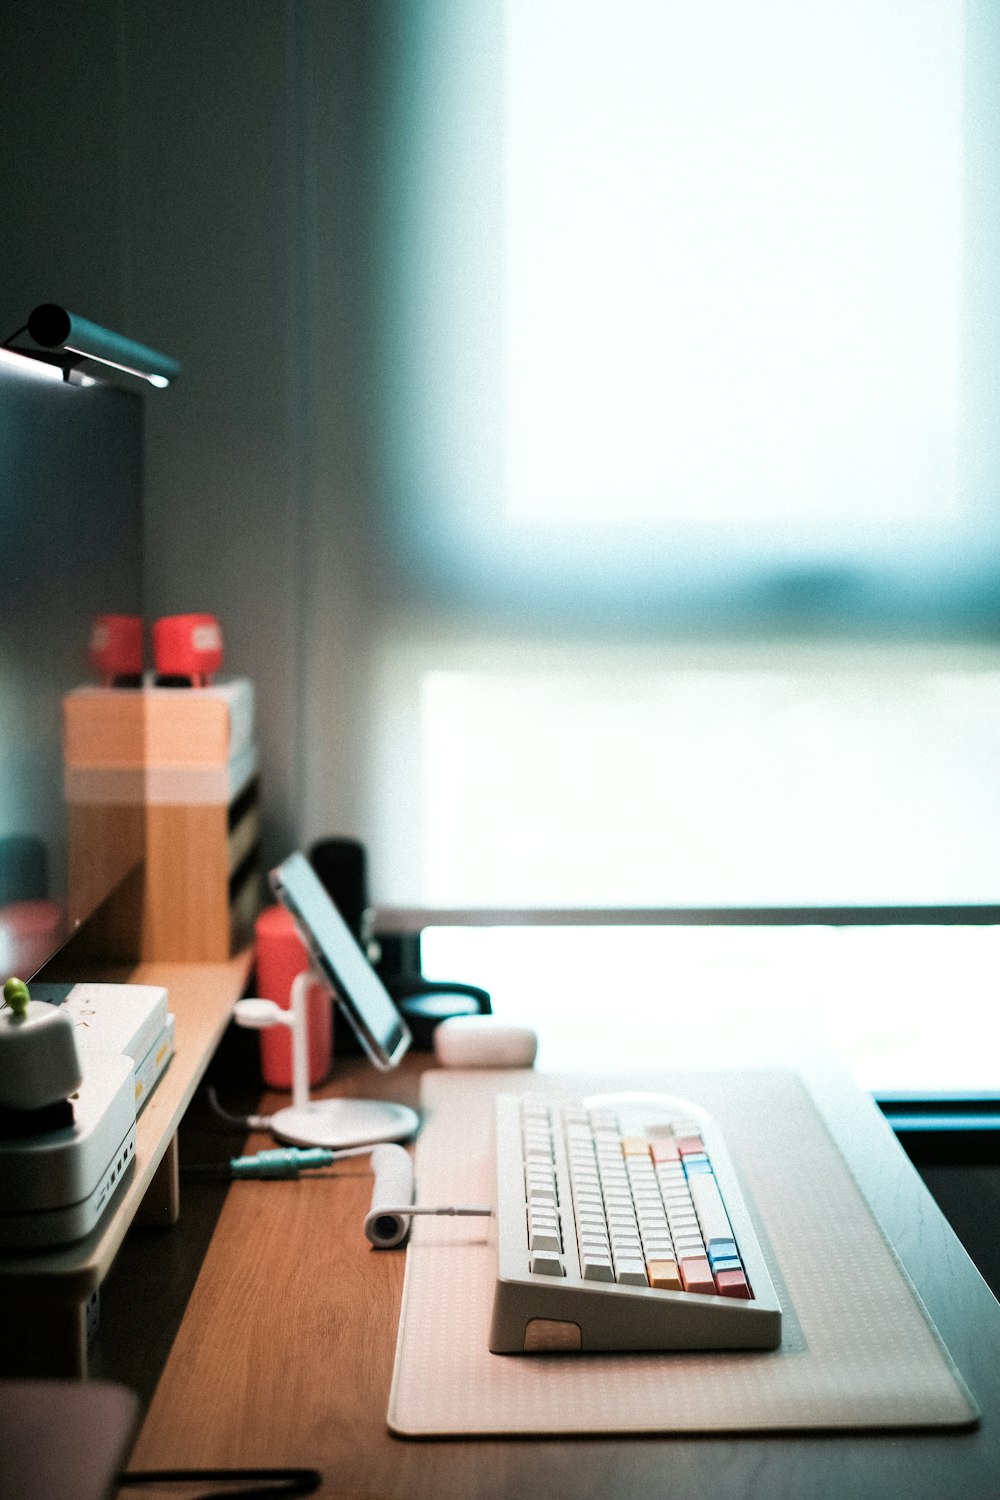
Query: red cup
281,957
29,934
115,648
188,646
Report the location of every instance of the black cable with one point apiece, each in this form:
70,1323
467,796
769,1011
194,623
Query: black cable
241,1122
291,1481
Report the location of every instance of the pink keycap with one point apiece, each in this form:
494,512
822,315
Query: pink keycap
690,1145
696,1274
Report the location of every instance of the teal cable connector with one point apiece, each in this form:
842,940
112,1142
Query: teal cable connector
289,1161
280,1162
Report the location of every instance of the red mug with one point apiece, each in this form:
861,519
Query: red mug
188,646
115,648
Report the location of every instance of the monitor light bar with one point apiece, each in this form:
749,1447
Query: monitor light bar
77,345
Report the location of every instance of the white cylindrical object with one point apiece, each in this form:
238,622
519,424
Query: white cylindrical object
393,1186
39,1061
298,1004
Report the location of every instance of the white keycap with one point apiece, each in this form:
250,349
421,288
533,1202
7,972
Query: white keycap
711,1209
543,1217
597,1267
631,1273
544,1239
545,1263
540,1195
587,1227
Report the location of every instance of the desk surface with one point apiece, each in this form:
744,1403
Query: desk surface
285,1353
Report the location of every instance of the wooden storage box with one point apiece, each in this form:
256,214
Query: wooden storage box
168,775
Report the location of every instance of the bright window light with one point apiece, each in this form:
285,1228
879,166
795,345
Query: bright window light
629,785
733,255
690,309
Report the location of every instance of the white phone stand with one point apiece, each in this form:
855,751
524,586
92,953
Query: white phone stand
333,1123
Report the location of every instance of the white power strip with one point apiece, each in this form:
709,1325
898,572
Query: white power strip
54,1186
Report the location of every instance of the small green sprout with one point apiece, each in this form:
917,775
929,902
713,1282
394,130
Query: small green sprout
15,992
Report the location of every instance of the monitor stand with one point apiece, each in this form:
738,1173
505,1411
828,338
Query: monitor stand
336,1124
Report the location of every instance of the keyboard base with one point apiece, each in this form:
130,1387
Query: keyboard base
531,1319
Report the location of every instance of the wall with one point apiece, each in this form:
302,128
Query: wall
187,173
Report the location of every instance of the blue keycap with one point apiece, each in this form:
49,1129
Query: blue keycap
728,1263
719,1249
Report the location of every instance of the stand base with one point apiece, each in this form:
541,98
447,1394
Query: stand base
339,1123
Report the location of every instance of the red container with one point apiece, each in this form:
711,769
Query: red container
188,646
29,933
281,956
115,648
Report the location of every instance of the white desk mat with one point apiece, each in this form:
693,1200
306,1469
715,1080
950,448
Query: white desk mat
858,1349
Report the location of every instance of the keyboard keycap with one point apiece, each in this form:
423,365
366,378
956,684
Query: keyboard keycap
545,1263
696,1274
631,1273
665,1274
597,1267
733,1284
544,1239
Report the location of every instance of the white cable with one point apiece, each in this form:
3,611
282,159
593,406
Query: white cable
387,1222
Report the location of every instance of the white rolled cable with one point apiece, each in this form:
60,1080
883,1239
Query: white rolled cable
387,1222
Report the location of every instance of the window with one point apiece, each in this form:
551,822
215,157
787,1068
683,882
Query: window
690,309
688,453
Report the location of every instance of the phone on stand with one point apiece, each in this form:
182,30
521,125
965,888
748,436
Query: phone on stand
379,1027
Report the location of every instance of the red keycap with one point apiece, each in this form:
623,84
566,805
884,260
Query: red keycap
696,1274
733,1284
690,1145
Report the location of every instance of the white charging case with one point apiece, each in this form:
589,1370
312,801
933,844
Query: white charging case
483,1042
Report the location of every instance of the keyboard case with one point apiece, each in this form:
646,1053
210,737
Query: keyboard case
535,1313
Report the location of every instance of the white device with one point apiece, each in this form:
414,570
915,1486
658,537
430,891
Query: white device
54,1186
620,1225
55,1183
332,1123
484,1042
39,1060
340,965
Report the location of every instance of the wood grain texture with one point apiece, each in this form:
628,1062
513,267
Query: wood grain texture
179,906
186,907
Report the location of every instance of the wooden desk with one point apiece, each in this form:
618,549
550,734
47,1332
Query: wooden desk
285,1352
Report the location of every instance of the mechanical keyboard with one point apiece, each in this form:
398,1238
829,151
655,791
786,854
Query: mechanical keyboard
620,1225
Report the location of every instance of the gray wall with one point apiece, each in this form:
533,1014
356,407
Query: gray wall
190,174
